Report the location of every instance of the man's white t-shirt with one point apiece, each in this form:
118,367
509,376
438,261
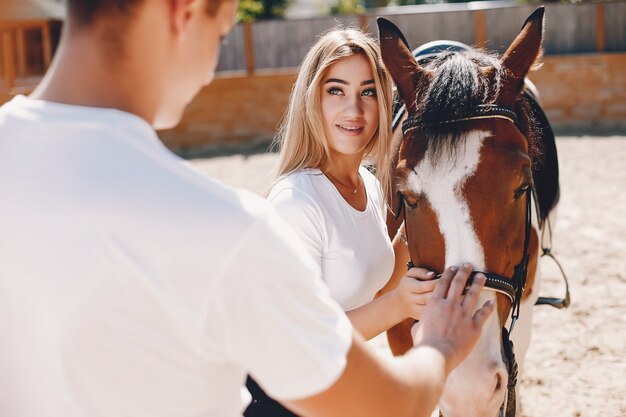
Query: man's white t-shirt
130,285
351,247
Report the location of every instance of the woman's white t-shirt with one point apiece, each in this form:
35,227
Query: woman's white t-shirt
352,247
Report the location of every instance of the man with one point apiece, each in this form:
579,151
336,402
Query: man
132,286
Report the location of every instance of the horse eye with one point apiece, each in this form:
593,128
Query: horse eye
407,199
412,201
521,191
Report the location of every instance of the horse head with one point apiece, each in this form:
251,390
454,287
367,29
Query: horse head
464,170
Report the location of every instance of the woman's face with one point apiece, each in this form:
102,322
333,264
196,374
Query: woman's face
349,105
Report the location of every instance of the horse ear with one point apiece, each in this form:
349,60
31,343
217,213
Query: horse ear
399,60
525,49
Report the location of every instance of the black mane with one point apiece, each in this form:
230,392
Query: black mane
458,85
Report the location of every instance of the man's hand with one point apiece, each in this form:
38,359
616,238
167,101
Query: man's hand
449,323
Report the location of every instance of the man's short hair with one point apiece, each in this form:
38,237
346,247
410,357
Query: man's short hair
86,12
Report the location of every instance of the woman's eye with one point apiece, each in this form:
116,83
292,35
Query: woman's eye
335,91
370,92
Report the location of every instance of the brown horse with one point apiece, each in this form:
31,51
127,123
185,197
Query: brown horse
467,167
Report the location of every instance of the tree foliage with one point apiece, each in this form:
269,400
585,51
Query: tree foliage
251,10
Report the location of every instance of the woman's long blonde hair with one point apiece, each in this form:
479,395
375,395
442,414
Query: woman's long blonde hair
301,137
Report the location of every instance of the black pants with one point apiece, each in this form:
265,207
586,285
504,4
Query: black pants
262,405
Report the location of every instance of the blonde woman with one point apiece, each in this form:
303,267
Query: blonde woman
338,118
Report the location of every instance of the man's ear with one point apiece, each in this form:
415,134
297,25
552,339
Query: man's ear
181,12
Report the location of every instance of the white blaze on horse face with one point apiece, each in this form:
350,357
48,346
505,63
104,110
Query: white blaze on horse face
471,388
442,182
476,388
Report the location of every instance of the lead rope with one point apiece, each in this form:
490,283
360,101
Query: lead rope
519,278
510,405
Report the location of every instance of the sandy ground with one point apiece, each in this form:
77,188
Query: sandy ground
575,365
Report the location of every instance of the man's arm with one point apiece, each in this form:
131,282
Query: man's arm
412,384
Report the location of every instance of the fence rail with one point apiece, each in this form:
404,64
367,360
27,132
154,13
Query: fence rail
16,50
265,45
570,29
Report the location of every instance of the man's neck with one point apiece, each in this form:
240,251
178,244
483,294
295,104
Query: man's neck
81,74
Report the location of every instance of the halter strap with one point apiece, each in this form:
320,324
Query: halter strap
482,111
513,288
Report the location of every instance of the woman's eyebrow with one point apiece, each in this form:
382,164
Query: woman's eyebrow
344,82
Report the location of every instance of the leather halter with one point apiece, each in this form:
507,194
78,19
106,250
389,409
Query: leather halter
482,111
512,287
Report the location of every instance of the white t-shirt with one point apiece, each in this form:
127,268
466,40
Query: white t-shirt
351,247
130,285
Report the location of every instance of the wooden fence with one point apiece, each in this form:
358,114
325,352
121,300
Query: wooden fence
26,49
580,93
582,82
570,29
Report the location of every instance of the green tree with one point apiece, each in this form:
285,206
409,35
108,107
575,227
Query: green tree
347,7
251,10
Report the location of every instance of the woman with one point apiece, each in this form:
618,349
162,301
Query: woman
338,116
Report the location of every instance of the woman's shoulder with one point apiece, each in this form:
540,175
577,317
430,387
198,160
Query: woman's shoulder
372,185
367,174
301,185
370,180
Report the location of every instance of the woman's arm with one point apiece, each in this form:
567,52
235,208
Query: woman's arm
387,310
411,385
404,296
402,258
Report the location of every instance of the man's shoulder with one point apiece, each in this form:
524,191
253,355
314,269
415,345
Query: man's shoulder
191,193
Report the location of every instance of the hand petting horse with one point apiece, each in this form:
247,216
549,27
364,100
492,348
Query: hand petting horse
475,156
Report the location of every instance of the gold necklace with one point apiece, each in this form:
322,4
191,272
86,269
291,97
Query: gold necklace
345,185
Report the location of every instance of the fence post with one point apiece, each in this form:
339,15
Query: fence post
9,63
21,51
248,41
600,33
481,34
46,44
363,22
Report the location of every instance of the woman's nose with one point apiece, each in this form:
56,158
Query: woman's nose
354,107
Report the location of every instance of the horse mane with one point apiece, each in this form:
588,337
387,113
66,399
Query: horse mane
458,85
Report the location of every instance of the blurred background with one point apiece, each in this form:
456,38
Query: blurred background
582,81
575,364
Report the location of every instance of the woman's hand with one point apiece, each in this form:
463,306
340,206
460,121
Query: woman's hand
413,292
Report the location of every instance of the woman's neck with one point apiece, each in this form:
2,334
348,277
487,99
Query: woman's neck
344,168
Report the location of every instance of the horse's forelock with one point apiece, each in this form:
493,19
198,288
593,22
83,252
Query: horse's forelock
460,82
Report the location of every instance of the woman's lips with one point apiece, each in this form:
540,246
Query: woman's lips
350,130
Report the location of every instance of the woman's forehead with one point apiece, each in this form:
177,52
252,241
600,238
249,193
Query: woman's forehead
352,70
